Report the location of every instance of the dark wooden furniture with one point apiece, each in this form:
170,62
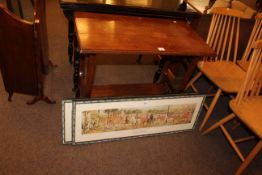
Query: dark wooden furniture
115,34
153,8
22,53
11,6
42,27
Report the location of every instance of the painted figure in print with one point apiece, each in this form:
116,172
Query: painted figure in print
96,121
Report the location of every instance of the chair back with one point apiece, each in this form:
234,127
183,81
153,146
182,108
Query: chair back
223,35
253,80
256,34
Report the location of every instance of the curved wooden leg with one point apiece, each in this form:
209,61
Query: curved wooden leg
249,158
51,64
41,98
10,94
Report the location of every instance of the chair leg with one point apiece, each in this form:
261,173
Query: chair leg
250,157
210,109
192,81
219,123
232,143
229,138
41,98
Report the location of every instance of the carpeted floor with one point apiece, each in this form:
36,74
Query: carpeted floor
31,141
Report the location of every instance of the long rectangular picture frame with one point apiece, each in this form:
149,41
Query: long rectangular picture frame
89,121
67,106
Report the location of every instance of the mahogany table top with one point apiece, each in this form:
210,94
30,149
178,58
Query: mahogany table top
108,33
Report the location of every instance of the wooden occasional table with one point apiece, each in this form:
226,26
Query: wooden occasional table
150,8
120,34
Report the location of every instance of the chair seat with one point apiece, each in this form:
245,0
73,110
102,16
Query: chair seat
249,111
224,74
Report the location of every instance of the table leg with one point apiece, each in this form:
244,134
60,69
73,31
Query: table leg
84,72
76,69
190,69
160,69
70,17
70,39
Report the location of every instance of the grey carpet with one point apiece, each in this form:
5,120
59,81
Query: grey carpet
31,141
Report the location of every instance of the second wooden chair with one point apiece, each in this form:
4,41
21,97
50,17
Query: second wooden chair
247,107
222,70
256,34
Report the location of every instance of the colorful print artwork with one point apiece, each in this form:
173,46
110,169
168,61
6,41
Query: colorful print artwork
116,119
99,120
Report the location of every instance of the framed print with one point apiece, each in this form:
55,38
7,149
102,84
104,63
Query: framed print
113,119
67,121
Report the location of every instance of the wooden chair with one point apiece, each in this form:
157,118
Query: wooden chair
256,34
222,70
247,107
204,7
22,54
